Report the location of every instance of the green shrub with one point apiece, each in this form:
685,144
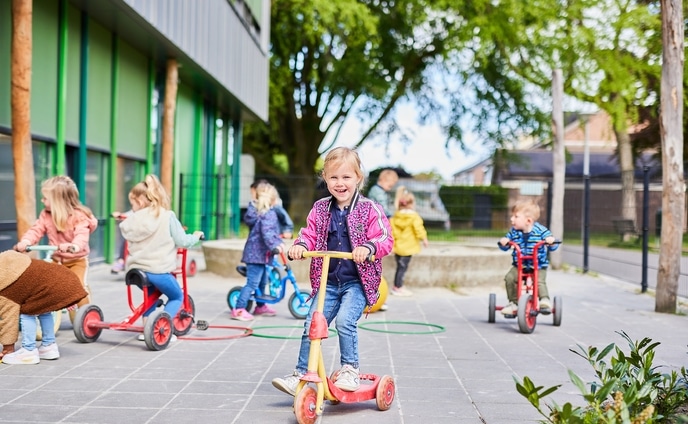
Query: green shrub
459,200
630,389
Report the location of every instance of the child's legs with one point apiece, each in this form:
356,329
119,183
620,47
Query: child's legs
28,329
80,268
47,322
542,283
330,310
261,287
167,284
402,266
254,276
353,301
510,284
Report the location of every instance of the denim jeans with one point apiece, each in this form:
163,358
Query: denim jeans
29,327
255,277
345,301
169,286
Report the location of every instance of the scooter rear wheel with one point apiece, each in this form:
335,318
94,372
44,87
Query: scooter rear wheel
304,406
384,394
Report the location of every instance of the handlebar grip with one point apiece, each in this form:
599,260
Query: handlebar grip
41,248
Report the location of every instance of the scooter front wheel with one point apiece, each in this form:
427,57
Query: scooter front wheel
305,406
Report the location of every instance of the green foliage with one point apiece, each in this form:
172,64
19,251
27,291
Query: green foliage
630,389
459,200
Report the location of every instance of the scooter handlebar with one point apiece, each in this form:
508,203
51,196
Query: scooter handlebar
332,254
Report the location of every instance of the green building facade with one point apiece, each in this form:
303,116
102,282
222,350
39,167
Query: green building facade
97,90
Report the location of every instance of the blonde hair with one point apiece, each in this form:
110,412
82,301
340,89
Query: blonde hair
63,197
404,199
152,193
529,208
344,156
266,197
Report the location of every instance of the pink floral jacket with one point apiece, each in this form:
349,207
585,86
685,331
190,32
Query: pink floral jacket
368,226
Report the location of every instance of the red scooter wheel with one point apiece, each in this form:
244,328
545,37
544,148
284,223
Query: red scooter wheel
304,406
384,395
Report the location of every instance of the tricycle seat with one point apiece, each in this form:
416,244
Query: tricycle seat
138,278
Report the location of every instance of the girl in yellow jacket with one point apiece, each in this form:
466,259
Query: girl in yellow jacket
408,232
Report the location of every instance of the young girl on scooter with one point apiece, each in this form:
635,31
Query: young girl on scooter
263,239
153,234
349,222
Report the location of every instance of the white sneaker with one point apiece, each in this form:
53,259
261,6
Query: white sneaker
49,352
347,379
288,383
22,357
510,309
142,338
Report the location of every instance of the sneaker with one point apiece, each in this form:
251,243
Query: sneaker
384,307
142,338
241,315
49,352
117,267
22,357
288,383
348,379
510,309
264,310
401,291
545,305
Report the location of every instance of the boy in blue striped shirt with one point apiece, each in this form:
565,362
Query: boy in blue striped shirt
526,231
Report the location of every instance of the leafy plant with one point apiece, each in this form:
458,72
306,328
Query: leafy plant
630,390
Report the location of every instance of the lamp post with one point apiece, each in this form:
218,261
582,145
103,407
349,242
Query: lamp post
585,117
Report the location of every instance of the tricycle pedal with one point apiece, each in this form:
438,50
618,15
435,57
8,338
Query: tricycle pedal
201,325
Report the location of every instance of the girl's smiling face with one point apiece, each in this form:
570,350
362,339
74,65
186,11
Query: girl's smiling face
342,181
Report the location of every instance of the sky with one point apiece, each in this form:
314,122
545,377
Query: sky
427,153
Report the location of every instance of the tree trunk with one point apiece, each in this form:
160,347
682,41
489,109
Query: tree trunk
169,106
22,153
558,165
671,131
627,170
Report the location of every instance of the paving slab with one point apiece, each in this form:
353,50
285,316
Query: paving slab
460,370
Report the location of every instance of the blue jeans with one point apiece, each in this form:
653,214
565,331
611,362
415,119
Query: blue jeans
29,326
168,285
255,277
345,301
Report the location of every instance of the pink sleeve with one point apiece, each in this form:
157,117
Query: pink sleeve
37,230
307,235
379,232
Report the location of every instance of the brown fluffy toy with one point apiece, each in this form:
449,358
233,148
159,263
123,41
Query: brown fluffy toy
33,287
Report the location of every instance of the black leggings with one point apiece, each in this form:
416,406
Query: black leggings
402,266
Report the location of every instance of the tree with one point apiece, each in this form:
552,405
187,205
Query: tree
333,60
22,154
608,51
671,128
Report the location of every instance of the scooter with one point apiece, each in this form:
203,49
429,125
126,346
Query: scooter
309,401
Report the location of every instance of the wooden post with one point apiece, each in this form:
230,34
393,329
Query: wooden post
671,131
170,104
558,165
22,154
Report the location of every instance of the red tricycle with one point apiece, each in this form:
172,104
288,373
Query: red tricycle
527,292
308,401
159,326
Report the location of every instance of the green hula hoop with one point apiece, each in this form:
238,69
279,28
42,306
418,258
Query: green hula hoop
437,328
332,332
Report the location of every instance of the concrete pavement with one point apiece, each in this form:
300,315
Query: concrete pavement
463,374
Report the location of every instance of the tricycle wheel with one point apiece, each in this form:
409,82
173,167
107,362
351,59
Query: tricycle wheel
298,306
86,315
57,318
233,296
491,307
192,268
304,406
158,330
527,313
558,310
384,395
185,317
